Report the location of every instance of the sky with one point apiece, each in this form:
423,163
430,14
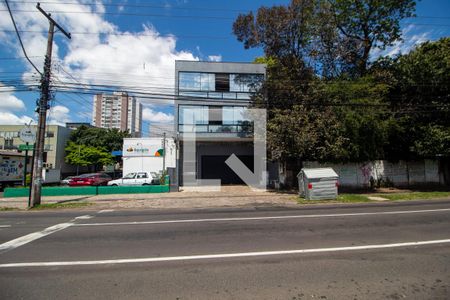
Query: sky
134,44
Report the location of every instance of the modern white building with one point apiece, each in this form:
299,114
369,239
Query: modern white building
148,154
118,110
211,102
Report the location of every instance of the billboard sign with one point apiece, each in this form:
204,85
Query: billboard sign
143,148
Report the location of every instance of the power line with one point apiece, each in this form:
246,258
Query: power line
196,17
20,40
131,14
170,7
206,37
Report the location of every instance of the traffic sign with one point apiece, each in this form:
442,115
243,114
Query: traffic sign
27,135
26,147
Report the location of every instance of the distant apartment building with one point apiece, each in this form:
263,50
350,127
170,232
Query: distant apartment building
118,110
158,130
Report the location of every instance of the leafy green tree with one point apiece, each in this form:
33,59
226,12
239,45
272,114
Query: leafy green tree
87,156
304,133
341,44
368,24
92,146
110,139
421,94
362,109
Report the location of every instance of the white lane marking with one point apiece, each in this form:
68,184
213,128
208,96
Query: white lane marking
105,211
85,217
266,218
37,235
5,226
216,256
32,236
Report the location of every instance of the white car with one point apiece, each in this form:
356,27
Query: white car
138,178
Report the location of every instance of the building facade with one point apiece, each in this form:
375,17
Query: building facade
211,103
118,110
56,138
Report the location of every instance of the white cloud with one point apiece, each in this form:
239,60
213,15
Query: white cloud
110,56
7,118
59,115
411,39
151,115
215,58
9,102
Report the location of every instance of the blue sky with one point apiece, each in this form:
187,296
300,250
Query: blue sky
134,44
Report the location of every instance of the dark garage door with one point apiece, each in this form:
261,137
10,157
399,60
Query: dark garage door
214,167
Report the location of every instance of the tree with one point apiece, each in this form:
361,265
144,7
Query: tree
304,133
87,156
92,146
368,24
110,139
341,44
421,92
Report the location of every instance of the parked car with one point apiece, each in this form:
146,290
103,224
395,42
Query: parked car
138,178
66,180
94,179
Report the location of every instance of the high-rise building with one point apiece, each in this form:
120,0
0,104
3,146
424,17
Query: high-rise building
118,110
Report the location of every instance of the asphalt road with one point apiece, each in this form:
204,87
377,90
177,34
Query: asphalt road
347,252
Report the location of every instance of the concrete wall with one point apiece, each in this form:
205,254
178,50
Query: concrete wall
358,175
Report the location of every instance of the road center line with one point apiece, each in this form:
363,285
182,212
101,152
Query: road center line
37,235
32,236
265,218
105,211
5,226
85,217
218,256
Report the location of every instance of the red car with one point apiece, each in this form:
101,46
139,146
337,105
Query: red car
93,179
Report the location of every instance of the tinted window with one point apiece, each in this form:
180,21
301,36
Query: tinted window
142,175
196,81
222,82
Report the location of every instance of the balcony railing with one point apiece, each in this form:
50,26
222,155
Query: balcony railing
236,129
216,95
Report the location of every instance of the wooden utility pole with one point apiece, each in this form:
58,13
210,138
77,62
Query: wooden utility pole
36,182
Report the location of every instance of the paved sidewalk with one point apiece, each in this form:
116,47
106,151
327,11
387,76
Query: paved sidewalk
229,196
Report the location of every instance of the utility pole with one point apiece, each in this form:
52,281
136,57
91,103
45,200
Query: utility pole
164,153
36,182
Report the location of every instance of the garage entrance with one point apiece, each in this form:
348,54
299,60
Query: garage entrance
214,167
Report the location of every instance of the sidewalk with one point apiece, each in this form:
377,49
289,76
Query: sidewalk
229,196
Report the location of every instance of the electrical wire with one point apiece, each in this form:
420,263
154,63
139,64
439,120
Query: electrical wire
20,39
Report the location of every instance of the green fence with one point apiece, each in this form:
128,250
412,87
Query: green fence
88,190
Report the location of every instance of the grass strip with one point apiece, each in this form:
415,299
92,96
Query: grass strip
415,195
61,205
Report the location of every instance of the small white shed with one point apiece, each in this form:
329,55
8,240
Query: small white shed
318,184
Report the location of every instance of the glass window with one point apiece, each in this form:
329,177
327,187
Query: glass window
196,81
228,115
129,176
233,115
222,82
142,175
190,114
245,82
194,94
